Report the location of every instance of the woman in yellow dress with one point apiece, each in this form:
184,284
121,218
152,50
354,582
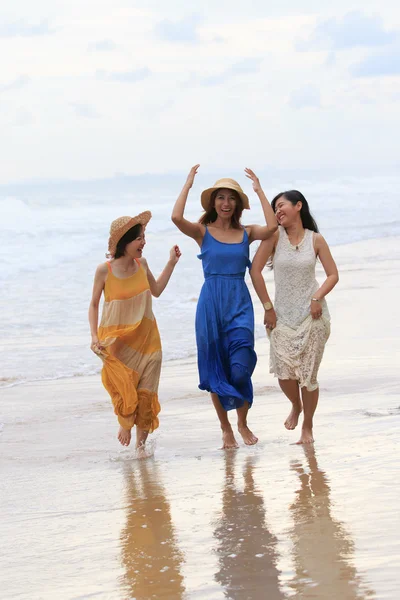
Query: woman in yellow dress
127,340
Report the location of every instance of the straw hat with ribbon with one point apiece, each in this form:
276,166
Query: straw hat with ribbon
120,226
225,183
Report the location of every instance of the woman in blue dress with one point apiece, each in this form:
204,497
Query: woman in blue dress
224,317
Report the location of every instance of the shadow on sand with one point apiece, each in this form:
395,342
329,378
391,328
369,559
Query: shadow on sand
246,549
323,550
150,554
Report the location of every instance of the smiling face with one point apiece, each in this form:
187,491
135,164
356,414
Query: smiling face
287,213
225,203
135,248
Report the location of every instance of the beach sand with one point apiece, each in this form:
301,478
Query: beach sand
82,518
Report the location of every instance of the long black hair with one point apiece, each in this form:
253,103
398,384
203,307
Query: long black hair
127,238
294,196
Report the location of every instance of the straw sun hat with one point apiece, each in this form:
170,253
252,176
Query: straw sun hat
225,183
120,226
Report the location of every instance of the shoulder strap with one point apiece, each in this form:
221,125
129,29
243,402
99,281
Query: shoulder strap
109,266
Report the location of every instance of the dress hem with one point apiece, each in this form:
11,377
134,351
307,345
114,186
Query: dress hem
240,400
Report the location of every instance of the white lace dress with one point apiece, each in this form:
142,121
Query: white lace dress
298,341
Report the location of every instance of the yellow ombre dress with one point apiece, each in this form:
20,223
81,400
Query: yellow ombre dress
132,355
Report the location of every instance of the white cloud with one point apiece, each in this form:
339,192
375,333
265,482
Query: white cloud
16,84
21,28
379,64
84,110
308,96
102,46
124,76
183,30
247,66
23,118
113,90
352,30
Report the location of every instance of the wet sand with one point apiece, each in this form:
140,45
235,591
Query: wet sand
82,518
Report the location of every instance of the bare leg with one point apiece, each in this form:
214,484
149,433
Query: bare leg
124,436
248,436
141,437
228,439
290,388
310,401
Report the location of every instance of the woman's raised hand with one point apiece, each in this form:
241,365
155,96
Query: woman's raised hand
192,175
256,182
175,254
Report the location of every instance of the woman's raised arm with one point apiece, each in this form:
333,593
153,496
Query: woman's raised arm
193,230
262,232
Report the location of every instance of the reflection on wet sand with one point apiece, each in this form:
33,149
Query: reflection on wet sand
150,553
246,549
322,548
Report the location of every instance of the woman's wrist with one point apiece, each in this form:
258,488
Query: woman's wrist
267,305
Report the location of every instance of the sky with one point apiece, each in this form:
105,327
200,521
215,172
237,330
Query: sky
90,89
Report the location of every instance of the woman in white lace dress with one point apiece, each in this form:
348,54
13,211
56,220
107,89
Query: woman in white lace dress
299,324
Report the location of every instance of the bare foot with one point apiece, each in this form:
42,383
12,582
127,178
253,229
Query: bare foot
141,451
124,436
248,436
306,437
228,439
293,418
141,437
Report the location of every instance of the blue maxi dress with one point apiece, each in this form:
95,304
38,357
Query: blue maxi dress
225,323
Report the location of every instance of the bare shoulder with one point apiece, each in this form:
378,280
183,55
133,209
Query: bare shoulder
102,269
101,274
143,262
319,240
320,245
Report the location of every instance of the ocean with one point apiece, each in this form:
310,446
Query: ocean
55,234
